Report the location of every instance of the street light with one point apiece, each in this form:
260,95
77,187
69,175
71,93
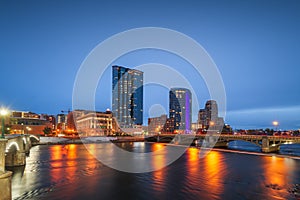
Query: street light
3,112
28,129
275,123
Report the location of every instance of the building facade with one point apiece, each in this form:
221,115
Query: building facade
127,96
61,122
180,109
156,124
92,123
21,122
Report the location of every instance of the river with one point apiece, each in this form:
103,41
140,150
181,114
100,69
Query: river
71,172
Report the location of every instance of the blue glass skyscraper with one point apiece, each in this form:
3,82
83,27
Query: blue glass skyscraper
127,96
180,108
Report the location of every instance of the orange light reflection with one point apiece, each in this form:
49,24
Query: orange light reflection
158,161
214,172
277,171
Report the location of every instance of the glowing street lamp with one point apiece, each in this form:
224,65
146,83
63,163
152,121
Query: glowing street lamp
3,113
275,123
28,129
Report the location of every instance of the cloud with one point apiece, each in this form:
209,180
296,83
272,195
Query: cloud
265,110
288,117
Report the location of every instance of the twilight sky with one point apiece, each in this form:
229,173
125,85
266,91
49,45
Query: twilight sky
255,45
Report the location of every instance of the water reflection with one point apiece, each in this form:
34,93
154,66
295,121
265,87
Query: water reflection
158,161
192,161
214,171
219,175
278,175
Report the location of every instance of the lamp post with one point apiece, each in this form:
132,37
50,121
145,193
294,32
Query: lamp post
3,112
275,124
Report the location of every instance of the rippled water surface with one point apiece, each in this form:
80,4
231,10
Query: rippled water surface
71,172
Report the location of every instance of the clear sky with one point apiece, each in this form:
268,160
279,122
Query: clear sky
255,45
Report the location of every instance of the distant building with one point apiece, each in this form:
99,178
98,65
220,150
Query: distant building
195,126
127,96
180,109
21,122
50,118
156,124
71,126
92,123
61,122
208,117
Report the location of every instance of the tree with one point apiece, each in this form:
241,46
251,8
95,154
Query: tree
47,131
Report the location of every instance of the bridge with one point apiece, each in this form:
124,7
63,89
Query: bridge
13,151
17,147
266,143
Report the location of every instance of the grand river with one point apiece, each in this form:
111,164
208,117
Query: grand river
71,172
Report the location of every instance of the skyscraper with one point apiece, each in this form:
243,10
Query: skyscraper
180,108
208,117
127,96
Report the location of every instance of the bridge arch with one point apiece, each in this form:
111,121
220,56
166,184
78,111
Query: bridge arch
24,140
12,147
34,138
256,143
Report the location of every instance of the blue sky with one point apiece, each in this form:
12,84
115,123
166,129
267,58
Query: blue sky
255,45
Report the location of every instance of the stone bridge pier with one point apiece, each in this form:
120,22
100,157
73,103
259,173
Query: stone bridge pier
267,146
16,152
5,176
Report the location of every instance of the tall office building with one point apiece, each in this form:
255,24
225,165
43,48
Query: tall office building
208,117
127,96
180,108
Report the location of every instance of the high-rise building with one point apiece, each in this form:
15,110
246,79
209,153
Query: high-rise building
180,108
127,96
208,117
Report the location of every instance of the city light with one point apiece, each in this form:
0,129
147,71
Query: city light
3,113
275,123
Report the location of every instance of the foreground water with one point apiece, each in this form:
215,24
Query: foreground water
71,172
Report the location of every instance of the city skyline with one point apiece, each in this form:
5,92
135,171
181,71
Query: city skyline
252,43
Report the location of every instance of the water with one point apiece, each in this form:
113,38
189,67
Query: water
70,172
285,149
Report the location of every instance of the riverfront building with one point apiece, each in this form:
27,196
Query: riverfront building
92,123
180,109
21,122
127,96
156,124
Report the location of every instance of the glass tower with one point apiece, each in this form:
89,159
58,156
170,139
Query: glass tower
127,96
180,108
